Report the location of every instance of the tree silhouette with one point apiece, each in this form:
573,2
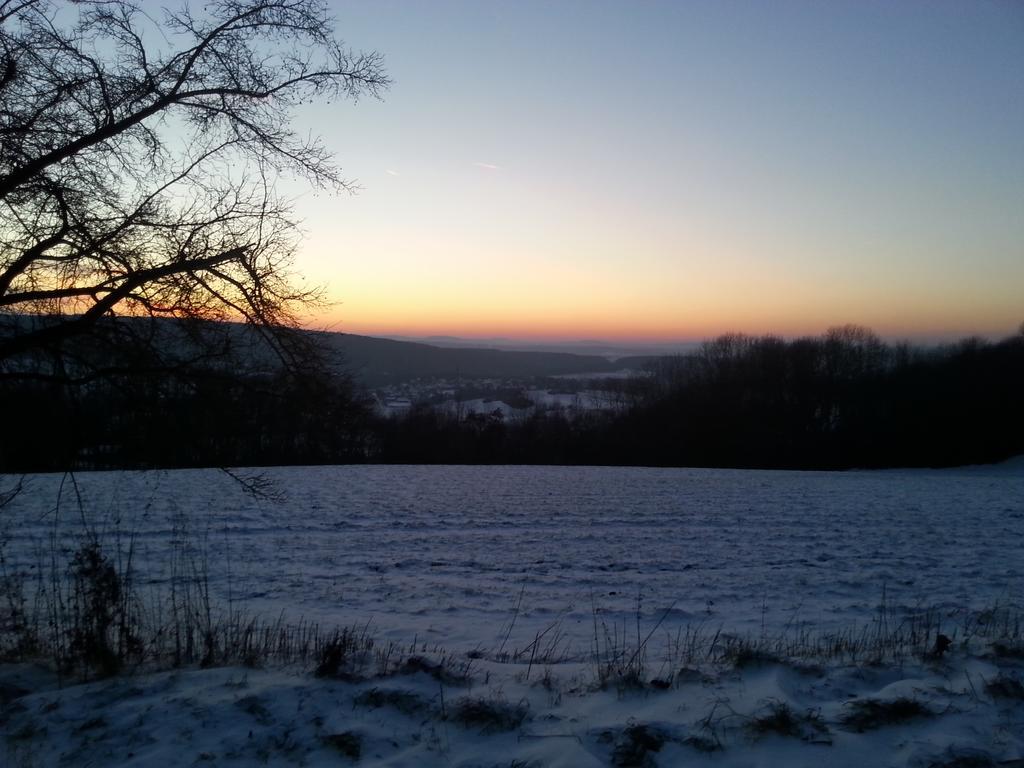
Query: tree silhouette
139,157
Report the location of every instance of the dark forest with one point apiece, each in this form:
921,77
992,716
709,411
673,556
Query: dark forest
842,400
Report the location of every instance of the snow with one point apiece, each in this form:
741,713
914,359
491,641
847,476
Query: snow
413,547
238,716
473,560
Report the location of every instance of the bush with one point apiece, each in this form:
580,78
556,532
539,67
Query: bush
95,606
489,715
869,714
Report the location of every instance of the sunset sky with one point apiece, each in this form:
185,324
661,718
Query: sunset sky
675,170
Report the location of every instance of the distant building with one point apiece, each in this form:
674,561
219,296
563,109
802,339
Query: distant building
398,406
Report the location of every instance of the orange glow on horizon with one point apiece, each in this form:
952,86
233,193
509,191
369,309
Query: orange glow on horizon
639,333
487,209
695,293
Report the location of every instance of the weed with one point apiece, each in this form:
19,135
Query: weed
445,671
634,746
780,719
488,716
743,655
869,714
1005,687
89,618
94,607
964,758
18,633
546,648
85,613
335,653
405,702
1008,650
255,708
349,743
685,675
615,657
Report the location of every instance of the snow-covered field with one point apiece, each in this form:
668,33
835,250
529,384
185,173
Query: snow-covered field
444,552
504,566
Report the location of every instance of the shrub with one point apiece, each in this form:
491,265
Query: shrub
634,747
95,605
489,715
1003,687
779,718
869,714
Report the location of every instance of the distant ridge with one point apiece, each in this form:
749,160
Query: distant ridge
375,361
610,350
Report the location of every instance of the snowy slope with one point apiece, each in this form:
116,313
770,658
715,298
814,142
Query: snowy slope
536,588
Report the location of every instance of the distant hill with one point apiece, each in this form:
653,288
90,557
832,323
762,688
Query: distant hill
375,361
370,360
612,350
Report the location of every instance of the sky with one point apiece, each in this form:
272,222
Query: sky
665,171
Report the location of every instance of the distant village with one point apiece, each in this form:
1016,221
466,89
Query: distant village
508,399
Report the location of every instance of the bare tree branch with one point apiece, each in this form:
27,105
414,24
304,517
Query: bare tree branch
139,159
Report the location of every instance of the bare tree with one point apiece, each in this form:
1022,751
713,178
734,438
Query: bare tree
139,158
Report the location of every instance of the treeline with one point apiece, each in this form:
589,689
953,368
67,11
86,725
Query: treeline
842,400
845,399
208,419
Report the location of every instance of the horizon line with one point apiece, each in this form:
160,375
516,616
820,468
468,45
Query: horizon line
919,337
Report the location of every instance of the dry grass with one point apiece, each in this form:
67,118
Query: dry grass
403,701
86,612
1005,687
870,714
779,719
636,744
488,715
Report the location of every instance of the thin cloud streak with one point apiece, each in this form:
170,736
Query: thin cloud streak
488,166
